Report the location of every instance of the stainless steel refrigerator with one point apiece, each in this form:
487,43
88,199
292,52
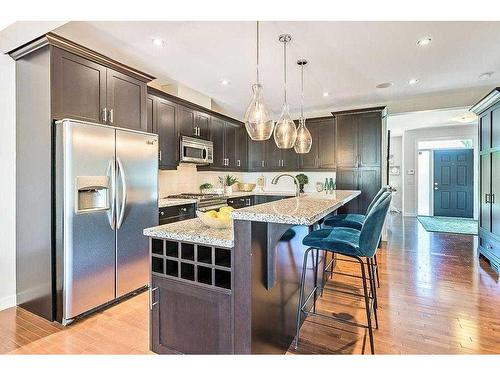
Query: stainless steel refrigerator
105,195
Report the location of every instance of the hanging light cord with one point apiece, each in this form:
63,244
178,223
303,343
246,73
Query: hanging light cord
258,52
284,67
302,91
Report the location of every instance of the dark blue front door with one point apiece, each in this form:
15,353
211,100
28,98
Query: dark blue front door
453,183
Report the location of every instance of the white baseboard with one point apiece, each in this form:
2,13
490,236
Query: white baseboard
7,302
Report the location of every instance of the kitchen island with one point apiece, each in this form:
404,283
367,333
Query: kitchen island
234,290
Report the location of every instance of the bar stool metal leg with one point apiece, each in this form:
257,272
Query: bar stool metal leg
367,306
373,289
301,296
376,270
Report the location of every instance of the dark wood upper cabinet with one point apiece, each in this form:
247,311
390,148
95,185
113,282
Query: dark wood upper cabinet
217,137
289,159
495,127
256,155
186,122
162,115
78,87
485,131
325,139
272,154
126,101
202,123
230,145
241,152
369,139
310,160
346,142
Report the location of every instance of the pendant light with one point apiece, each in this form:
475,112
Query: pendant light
285,132
258,118
304,140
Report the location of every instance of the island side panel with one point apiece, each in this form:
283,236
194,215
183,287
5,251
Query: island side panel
242,287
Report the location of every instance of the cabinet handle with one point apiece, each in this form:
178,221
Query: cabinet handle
111,116
492,198
486,198
151,297
160,154
183,209
195,130
262,163
162,213
227,162
238,163
104,114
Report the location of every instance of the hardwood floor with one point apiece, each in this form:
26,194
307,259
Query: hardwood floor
436,297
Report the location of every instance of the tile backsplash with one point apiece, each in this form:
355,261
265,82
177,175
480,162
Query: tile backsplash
186,179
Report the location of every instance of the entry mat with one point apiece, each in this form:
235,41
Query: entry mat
444,224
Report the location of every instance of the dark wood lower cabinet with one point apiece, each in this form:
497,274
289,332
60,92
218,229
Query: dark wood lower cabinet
189,319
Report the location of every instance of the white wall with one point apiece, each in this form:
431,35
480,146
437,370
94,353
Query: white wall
8,186
410,149
396,181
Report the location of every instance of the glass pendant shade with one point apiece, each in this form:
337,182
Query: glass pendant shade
285,131
304,140
258,118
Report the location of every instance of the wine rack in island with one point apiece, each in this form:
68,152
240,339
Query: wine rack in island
191,298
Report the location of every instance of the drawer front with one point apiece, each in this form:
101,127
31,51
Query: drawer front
490,247
240,202
176,213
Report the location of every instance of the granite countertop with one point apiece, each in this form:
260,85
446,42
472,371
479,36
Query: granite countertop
306,210
169,202
193,230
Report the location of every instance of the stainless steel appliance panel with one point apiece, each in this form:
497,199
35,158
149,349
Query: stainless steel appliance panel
198,151
88,234
137,207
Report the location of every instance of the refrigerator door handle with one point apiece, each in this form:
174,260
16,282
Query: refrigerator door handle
111,173
121,172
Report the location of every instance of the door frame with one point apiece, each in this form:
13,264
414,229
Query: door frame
475,148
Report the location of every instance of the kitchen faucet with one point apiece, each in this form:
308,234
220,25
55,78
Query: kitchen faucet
297,186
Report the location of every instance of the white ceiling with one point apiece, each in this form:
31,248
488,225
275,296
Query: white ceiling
398,124
347,59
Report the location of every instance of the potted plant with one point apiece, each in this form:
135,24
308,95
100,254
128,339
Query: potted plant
204,188
227,182
303,180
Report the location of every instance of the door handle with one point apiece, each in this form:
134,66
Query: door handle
104,114
151,297
111,116
111,172
124,193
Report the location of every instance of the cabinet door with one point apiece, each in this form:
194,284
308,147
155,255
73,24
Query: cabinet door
495,193
495,127
369,183
485,189
272,155
347,179
186,121
310,160
241,148
217,137
126,101
78,87
190,319
229,145
325,134
202,122
150,113
369,139
290,159
346,141
167,133
256,155
485,131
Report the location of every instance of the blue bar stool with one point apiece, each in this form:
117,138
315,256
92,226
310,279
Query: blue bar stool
354,221
352,243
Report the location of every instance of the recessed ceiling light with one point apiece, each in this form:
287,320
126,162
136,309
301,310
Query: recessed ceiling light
467,117
413,81
326,93
158,42
384,85
485,75
424,42
224,82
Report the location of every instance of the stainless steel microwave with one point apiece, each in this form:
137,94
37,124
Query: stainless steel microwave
198,151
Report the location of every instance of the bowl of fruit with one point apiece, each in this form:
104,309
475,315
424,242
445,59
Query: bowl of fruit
217,219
